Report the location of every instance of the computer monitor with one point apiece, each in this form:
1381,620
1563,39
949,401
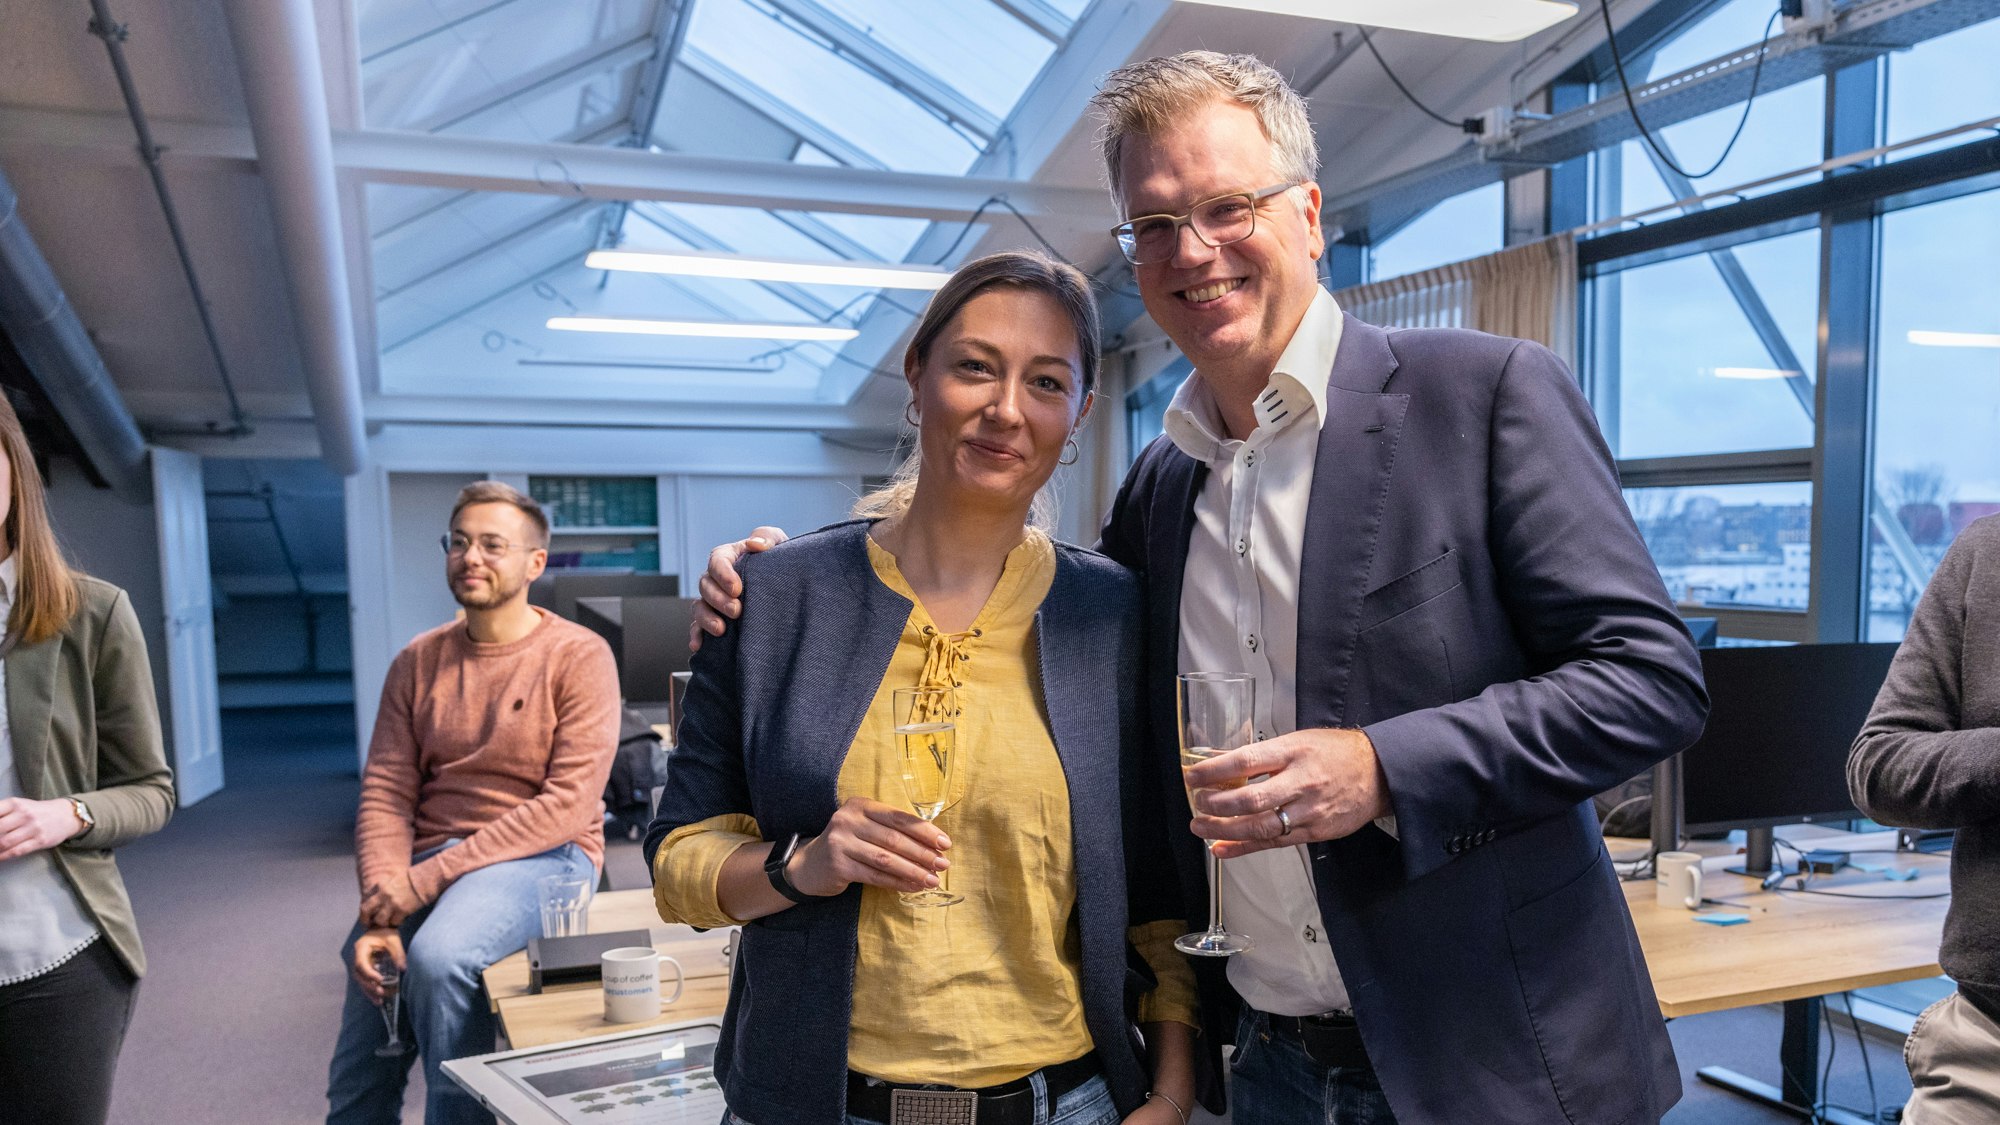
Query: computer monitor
1780,722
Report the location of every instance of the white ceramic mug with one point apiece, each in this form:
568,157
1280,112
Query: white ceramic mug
632,983
1677,880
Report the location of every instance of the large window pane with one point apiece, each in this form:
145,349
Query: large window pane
1942,82
1741,546
1937,398
1464,226
1685,368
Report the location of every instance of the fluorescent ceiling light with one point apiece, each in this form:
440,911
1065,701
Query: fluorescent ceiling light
1495,21
863,275
721,330
1954,339
1751,373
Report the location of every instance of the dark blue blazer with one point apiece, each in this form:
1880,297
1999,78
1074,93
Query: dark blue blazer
771,710
1476,598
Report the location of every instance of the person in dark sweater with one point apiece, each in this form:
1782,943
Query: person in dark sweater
1929,757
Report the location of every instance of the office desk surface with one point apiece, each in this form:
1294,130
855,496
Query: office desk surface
1795,945
577,1011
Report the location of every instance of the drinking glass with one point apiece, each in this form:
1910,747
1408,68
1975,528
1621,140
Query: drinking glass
1214,710
392,1006
565,903
926,738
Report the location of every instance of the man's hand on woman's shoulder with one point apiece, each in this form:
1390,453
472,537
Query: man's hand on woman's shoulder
722,589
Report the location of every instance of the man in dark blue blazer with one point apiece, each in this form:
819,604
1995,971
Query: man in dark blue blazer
1415,542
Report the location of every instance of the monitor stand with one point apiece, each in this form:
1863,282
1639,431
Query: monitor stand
1759,854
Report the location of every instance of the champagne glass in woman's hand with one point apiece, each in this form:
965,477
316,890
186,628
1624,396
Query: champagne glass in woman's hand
926,741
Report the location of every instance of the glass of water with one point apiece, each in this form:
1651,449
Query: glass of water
565,905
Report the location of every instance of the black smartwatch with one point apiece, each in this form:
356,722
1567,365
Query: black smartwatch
774,870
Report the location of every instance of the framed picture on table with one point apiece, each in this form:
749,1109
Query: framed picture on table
650,1076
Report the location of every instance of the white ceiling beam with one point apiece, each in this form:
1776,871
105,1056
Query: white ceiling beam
479,164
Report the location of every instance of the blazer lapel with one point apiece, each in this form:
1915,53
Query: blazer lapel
1351,472
31,679
1170,527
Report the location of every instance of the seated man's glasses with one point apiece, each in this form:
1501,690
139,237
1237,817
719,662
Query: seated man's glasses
491,546
1149,239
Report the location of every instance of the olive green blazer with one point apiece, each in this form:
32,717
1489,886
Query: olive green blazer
85,724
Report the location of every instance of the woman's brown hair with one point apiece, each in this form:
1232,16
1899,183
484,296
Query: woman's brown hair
45,595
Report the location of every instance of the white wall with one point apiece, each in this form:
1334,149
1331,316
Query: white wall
117,541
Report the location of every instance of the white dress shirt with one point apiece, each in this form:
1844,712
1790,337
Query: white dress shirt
1240,613
42,924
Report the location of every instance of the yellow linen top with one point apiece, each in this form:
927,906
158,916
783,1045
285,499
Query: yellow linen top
990,989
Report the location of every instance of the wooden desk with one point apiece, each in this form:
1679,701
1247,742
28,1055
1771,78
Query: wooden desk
576,1011
1795,949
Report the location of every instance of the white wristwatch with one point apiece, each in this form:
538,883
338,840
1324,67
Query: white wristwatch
83,813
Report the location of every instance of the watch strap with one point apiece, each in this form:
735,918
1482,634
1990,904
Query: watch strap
774,870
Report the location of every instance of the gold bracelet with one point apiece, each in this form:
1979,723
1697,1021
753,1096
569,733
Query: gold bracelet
1170,1101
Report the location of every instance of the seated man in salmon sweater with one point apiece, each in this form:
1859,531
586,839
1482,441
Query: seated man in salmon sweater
485,774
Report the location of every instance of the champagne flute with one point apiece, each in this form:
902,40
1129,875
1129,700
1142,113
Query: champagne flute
392,1004
1214,710
926,737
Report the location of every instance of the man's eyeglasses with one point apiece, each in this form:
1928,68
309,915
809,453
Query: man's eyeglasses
1217,222
491,546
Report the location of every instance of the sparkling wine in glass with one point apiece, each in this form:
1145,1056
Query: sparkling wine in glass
392,1004
926,744
1215,717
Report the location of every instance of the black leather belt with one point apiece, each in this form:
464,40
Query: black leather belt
1331,1040
1010,1103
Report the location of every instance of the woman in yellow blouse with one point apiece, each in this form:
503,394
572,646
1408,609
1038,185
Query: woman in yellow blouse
785,810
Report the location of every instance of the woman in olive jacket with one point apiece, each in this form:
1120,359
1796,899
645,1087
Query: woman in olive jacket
81,772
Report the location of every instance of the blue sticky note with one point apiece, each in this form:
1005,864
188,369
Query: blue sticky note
1901,874
1722,919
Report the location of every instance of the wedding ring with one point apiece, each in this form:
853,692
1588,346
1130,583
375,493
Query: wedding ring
1284,821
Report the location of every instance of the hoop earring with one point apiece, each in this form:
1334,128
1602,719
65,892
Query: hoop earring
1074,452
915,424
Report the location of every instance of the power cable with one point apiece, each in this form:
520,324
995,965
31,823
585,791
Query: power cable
1632,106
1467,125
1867,1068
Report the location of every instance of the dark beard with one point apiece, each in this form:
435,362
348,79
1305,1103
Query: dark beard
496,594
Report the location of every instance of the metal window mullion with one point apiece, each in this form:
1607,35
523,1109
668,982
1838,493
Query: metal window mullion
1842,476
762,102
556,75
1040,17
699,239
1763,466
538,224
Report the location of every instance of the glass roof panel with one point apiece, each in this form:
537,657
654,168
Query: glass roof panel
977,48
828,90
460,64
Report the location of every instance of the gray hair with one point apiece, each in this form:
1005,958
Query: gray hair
1146,98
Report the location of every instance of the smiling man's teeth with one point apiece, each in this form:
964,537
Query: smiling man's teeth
1210,292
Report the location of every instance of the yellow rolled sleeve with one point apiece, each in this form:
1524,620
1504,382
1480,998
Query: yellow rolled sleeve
687,870
1173,999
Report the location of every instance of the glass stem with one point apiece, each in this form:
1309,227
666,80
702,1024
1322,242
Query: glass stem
1215,897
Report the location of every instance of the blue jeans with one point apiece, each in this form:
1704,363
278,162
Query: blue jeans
1088,1104
1272,1081
484,916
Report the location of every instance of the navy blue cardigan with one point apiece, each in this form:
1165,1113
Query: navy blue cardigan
772,709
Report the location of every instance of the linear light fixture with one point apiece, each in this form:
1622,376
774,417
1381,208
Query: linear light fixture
1494,21
863,275
1931,339
719,330
1751,373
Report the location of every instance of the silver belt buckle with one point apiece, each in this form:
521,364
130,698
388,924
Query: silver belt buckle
933,1107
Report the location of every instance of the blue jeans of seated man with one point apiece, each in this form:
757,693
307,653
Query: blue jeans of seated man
1088,1104
1272,1081
483,916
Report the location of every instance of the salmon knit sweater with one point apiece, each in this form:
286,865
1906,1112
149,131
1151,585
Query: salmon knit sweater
504,746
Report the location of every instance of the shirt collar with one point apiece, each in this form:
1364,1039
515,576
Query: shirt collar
10,577
1296,389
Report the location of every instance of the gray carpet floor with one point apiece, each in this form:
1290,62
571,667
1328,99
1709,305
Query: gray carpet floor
244,898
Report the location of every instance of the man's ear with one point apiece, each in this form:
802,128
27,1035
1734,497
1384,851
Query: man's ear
1316,239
